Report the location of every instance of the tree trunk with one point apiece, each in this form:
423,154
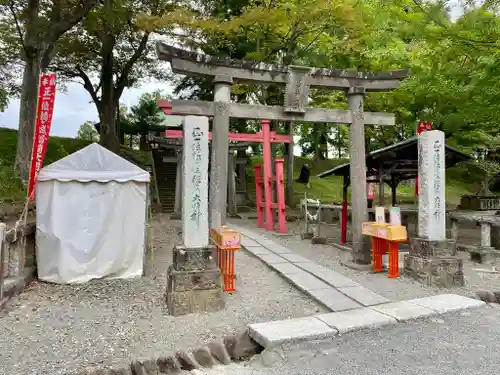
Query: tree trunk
107,113
317,143
143,145
119,131
32,54
108,136
27,114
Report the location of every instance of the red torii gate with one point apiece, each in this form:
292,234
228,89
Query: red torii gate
266,137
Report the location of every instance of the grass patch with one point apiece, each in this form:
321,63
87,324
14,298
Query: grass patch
12,189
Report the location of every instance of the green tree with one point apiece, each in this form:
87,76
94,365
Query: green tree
38,25
109,51
144,117
88,132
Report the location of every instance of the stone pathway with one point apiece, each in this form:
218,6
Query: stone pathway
332,289
353,306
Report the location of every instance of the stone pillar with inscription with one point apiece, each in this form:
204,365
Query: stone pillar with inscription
432,258
194,280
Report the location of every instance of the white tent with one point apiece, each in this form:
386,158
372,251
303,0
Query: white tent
91,211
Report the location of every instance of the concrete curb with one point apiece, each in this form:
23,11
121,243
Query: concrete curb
234,348
273,334
488,296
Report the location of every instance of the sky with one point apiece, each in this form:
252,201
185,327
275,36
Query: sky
74,106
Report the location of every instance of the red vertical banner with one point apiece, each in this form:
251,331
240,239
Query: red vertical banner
45,109
422,126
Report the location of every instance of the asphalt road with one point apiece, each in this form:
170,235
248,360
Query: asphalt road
455,344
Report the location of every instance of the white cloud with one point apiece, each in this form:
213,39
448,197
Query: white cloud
74,107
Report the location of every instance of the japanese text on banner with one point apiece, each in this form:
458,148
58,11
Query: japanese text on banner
45,109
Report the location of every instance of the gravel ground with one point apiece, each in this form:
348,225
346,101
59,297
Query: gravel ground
394,289
50,329
457,344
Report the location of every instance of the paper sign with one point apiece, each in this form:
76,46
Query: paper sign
371,191
395,216
380,214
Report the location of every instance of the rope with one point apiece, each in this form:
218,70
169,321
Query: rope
309,216
309,200
21,222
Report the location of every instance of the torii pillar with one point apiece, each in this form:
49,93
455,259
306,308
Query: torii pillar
220,152
357,171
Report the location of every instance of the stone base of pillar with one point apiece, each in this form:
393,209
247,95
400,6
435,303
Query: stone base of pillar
434,263
176,216
318,240
485,255
362,255
194,282
306,236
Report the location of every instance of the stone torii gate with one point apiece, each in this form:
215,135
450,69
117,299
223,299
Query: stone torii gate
297,81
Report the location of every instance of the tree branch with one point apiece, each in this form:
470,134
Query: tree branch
87,85
123,80
16,21
61,26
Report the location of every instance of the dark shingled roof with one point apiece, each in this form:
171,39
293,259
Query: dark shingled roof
401,158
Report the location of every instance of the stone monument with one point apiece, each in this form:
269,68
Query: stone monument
194,280
432,258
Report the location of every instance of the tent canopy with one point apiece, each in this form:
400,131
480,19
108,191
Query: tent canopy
91,217
93,163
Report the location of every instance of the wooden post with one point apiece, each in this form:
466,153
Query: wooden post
258,195
280,194
317,238
343,228
290,196
394,185
268,183
306,217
